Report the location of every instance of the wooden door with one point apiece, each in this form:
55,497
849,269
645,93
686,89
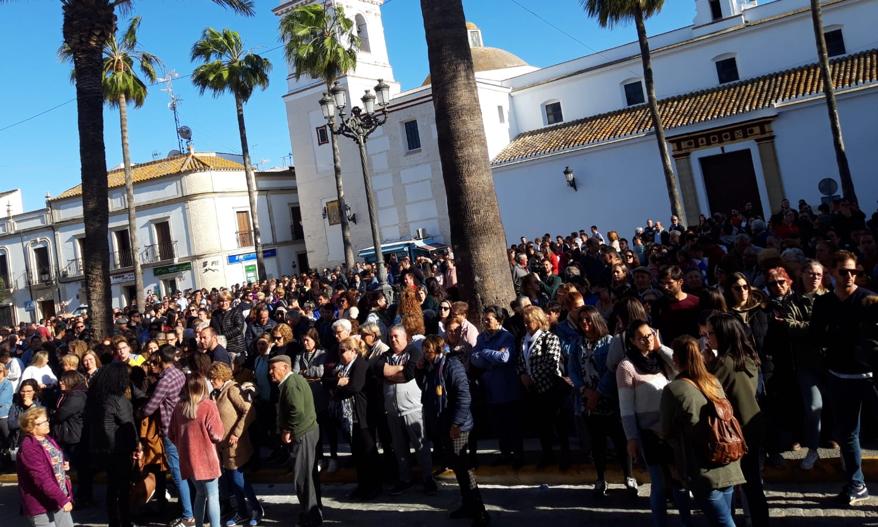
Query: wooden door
730,181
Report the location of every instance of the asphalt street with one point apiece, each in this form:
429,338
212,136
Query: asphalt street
513,506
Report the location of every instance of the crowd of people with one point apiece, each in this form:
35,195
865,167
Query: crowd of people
703,352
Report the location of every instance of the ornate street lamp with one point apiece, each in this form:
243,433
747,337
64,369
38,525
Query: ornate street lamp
358,126
570,178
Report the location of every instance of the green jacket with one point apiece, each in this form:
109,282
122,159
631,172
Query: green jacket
295,407
740,388
683,408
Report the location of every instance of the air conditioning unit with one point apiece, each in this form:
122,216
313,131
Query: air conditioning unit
420,233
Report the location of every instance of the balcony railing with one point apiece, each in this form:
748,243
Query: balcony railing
6,282
245,238
122,259
73,268
159,252
41,277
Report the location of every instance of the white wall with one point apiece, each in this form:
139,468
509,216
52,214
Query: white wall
620,186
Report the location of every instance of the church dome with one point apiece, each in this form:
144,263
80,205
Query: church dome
486,59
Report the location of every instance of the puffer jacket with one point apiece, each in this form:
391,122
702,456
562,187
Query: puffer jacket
68,419
231,325
787,338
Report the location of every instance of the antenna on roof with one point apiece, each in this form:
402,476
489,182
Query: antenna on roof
168,80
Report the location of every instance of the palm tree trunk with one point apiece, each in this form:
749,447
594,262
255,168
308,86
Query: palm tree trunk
841,157
140,299
477,235
86,26
670,178
339,189
251,190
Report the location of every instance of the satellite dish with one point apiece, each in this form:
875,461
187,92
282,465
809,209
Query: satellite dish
185,132
827,186
174,153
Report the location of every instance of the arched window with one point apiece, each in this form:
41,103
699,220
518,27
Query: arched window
362,32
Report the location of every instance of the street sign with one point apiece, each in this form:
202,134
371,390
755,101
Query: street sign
247,257
172,269
30,306
116,279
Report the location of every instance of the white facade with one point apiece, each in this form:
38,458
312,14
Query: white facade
620,179
188,236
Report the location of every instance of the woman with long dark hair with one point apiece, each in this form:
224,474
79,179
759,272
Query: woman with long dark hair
684,409
641,377
599,410
737,368
113,436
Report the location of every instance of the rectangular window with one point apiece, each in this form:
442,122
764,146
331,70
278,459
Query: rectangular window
834,43
501,114
716,10
4,272
244,234
634,93
165,243
412,137
553,113
296,223
322,135
727,70
124,257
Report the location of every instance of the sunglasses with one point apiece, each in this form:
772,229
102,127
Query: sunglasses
445,308
738,287
277,337
851,272
775,282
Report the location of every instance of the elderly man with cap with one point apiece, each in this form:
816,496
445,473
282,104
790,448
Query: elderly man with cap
297,422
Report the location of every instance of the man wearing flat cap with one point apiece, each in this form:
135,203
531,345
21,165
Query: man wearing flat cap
297,422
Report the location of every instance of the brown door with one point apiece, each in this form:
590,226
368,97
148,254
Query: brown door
730,181
165,243
302,260
47,308
245,239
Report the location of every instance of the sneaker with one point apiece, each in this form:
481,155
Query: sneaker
256,517
631,485
810,459
600,488
183,522
852,495
236,519
332,465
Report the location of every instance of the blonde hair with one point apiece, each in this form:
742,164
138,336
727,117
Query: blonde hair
41,358
285,331
355,344
220,371
70,361
28,419
92,354
195,392
535,313
77,347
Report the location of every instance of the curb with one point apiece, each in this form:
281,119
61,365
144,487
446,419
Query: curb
826,470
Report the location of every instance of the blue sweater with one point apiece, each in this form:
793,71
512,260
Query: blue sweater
497,356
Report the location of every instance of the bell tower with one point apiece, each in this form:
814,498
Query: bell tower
707,11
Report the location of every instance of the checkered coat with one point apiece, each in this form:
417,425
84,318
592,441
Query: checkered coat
545,362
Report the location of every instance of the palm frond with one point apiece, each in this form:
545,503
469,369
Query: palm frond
319,42
226,66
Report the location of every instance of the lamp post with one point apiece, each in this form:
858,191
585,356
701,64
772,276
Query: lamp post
358,126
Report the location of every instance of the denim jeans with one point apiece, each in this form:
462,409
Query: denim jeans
207,491
173,459
849,395
812,403
717,507
245,496
659,482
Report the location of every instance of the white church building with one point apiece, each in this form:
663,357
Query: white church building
739,93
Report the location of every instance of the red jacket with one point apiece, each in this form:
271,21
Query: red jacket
37,486
196,440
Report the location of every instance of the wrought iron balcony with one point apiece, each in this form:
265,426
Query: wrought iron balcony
40,277
73,268
122,259
245,238
159,252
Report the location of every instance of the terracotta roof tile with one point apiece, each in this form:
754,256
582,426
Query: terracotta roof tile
163,167
692,108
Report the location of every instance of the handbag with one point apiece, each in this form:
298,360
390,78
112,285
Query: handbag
142,485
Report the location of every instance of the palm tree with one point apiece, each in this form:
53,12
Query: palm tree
477,235
612,12
121,84
228,68
841,157
86,27
323,43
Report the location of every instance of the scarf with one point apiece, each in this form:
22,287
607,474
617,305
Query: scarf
648,365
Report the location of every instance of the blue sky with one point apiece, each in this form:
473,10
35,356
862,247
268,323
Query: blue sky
42,154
